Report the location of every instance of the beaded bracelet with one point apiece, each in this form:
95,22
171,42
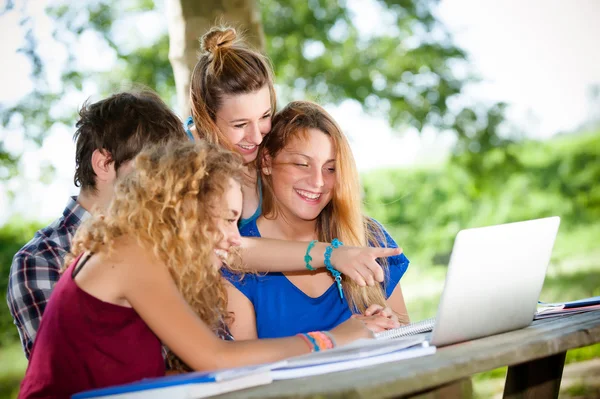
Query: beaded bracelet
336,275
307,257
318,340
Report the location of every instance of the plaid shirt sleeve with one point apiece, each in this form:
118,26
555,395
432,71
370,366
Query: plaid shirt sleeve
33,274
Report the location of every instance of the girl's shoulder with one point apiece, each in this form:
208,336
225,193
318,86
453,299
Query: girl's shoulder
377,234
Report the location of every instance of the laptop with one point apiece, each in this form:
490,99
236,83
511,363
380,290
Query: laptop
495,277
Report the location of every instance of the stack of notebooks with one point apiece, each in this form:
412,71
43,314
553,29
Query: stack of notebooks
546,310
359,354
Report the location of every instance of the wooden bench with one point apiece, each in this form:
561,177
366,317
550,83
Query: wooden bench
535,356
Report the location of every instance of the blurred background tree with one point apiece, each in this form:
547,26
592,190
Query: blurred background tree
411,74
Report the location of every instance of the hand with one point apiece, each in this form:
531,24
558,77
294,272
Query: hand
360,263
378,319
381,311
349,331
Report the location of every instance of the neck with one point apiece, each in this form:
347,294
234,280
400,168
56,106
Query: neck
93,202
285,227
249,176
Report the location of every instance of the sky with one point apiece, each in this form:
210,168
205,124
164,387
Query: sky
539,56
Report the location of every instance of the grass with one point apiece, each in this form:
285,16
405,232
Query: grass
12,368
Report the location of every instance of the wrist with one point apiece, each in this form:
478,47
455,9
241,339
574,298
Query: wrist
318,255
318,341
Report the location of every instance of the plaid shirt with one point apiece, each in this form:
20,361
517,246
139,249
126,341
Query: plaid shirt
35,271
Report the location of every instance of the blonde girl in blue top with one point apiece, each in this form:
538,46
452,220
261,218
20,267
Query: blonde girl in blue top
312,192
232,101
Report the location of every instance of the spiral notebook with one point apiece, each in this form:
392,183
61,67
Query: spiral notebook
407,330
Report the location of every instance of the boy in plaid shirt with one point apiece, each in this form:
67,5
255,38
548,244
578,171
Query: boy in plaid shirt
110,133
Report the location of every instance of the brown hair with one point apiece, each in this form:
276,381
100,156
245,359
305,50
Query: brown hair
121,125
342,217
226,66
165,202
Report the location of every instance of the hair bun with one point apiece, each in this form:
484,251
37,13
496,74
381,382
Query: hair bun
218,38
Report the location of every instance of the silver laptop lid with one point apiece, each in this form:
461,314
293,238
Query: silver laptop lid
494,279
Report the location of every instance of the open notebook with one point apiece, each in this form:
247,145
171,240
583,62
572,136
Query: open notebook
361,353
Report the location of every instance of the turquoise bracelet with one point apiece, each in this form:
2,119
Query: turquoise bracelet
336,275
307,257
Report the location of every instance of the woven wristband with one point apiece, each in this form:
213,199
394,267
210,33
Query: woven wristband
336,274
324,340
331,338
307,257
311,341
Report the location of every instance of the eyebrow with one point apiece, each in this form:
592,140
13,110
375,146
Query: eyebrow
235,212
245,119
306,156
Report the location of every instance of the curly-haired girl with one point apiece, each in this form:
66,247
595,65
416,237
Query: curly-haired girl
147,272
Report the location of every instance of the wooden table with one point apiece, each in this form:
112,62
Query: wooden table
535,356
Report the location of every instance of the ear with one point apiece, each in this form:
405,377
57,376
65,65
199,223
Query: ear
267,163
104,166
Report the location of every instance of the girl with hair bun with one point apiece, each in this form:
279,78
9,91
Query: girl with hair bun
232,102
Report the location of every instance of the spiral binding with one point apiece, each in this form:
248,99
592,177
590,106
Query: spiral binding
407,330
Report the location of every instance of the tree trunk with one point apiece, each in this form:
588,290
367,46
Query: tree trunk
189,19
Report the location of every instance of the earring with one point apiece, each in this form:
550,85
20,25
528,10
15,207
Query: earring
266,171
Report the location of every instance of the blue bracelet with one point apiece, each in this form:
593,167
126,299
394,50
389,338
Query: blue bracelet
336,275
307,257
313,342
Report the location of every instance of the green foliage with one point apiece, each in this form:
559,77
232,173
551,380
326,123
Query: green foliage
583,354
406,73
145,65
426,208
12,237
12,368
410,72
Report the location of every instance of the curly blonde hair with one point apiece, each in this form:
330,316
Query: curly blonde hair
169,203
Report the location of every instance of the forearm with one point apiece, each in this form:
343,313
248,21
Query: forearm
398,305
266,255
227,354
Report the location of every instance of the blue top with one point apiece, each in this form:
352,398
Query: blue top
188,124
283,310
243,222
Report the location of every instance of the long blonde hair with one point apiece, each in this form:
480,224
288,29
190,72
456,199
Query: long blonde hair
226,66
342,217
169,203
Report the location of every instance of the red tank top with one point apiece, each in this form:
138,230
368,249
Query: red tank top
85,343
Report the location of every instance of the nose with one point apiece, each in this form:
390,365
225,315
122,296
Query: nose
316,177
254,135
235,240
